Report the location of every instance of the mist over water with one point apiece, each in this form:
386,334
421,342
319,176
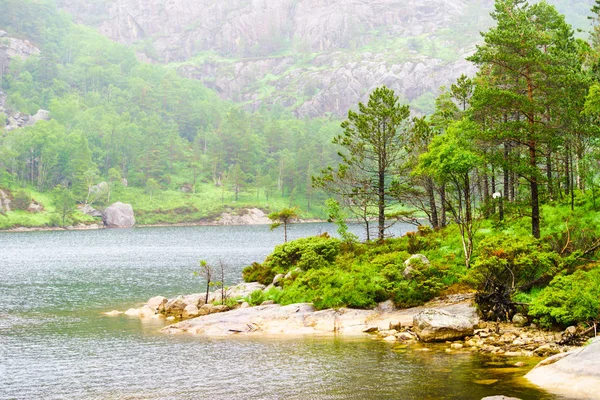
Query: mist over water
56,344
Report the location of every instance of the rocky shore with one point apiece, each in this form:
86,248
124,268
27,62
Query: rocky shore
452,320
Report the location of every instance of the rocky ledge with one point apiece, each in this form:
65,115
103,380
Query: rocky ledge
575,374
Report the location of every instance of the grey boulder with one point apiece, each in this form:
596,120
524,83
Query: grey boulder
434,325
119,215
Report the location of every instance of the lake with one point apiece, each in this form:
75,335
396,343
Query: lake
56,344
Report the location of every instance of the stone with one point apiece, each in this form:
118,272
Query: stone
147,312
456,346
133,312
4,202
575,374
245,305
175,307
519,320
113,313
35,207
244,289
119,215
197,300
187,189
412,262
433,325
386,306
41,115
158,303
267,303
278,280
500,398
190,311
89,210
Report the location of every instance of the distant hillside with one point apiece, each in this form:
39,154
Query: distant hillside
312,56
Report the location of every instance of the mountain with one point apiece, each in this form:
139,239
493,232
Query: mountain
311,56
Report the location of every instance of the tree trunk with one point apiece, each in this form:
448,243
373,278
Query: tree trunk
432,206
535,201
381,204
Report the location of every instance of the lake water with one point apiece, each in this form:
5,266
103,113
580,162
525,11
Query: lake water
56,344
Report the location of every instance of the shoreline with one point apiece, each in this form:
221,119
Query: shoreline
93,227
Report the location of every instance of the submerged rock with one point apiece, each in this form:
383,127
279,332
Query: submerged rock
434,325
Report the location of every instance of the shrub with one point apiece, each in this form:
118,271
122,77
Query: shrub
569,300
506,264
257,272
21,200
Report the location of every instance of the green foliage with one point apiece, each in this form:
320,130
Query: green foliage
21,200
569,300
258,272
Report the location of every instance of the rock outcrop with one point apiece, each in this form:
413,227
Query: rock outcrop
325,67
119,215
250,216
574,375
435,325
4,201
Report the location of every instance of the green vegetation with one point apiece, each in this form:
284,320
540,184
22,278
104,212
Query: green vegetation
116,118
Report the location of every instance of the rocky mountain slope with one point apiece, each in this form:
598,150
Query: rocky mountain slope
311,56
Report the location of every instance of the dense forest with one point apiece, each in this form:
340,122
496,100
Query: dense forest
115,118
505,169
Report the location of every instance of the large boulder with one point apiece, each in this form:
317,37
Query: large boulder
414,262
41,115
119,215
158,303
435,325
574,375
175,307
4,202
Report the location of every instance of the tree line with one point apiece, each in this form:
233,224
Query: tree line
521,133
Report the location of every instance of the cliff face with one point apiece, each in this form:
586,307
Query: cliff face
313,56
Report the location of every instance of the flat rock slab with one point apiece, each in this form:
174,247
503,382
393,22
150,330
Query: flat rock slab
574,375
300,319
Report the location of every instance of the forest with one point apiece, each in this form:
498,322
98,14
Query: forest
505,169
117,120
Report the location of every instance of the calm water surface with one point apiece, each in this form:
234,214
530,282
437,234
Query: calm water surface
55,344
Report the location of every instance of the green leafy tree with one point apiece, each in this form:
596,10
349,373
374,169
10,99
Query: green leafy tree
283,217
530,64
373,142
63,201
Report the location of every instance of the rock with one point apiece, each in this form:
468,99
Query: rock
119,215
187,189
500,398
433,325
35,207
519,320
413,262
89,210
4,202
113,313
574,375
245,305
244,289
158,303
133,312
456,346
41,115
197,300
278,280
190,311
546,350
385,307
405,336
248,216
147,312
124,182
175,307
267,303
371,329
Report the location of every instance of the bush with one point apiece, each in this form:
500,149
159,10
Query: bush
569,300
506,264
21,200
307,253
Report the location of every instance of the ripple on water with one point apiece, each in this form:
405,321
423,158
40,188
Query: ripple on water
55,344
